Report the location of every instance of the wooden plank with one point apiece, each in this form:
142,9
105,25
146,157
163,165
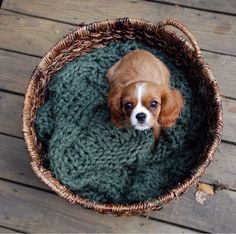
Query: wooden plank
223,168
16,70
229,108
223,68
217,215
228,6
11,111
215,32
31,210
29,35
11,108
15,164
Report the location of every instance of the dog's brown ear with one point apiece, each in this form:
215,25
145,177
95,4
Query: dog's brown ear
114,103
171,106
111,72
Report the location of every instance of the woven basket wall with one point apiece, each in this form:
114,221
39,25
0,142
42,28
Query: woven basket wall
96,35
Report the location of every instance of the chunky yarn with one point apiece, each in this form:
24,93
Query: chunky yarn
100,162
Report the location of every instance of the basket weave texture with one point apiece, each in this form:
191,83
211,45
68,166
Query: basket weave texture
96,35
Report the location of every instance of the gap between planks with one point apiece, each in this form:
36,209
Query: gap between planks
4,229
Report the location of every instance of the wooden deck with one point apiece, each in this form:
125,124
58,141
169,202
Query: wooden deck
27,30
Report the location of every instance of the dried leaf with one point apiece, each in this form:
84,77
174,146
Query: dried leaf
205,188
203,192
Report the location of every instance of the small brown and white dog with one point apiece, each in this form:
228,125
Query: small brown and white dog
140,93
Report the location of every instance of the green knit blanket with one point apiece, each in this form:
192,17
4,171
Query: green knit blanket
103,163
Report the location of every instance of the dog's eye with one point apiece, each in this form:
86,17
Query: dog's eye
128,106
153,104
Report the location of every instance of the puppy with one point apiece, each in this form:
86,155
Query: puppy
140,95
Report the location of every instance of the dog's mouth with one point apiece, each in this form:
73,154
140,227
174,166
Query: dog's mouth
141,127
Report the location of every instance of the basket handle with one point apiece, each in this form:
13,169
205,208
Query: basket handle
177,24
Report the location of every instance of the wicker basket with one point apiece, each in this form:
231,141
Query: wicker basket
96,35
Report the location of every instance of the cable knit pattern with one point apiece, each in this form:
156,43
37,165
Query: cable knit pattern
92,157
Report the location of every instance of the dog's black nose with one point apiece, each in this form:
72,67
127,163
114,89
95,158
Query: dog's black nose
141,117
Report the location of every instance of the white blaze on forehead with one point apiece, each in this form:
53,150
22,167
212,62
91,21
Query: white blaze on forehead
139,108
140,88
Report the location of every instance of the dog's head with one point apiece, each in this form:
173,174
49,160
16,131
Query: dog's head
143,105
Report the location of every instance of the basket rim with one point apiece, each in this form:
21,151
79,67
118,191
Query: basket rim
35,151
